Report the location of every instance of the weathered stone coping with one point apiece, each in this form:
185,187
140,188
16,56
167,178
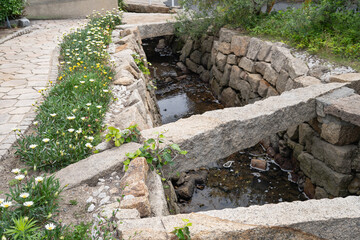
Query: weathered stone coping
217,134
212,135
150,30
95,166
228,223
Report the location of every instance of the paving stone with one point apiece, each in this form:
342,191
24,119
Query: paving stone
7,103
16,118
5,146
35,95
20,110
7,128
25,103
4,118
5,89
13,83
10,96
21,91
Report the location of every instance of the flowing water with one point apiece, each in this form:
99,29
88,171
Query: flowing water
181,95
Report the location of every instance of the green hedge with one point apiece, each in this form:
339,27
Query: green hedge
10,8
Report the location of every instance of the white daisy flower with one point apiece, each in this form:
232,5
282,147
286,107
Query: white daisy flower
50,226
39,179
24,195
6,204
88,145
15,170
32,146
28,204
20,177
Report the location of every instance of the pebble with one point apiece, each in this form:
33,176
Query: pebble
90,199
97,192
128,197
102,195
113,191
113,173
101,180
106,188
91,208
104,200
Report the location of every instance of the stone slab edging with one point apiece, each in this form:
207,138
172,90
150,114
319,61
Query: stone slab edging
95,166
221,224
217,134
26,30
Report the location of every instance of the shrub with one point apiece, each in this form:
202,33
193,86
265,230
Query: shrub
326,26
10,8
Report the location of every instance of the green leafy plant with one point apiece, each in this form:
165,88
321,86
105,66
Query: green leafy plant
130,134
183,233
121,4
142,63
10,8
24,229
156,156
73,202
29,205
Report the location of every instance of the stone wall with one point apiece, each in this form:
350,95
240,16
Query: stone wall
135,98
242,69
323,154
328,148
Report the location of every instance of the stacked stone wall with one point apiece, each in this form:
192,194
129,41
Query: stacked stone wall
242,70
136,101
323,154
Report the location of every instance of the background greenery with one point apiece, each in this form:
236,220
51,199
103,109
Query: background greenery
9,8
322,26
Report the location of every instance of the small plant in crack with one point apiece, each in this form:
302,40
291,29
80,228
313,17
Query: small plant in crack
130,134
142,63
156,156
183,233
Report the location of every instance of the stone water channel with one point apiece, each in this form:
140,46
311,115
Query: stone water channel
231,182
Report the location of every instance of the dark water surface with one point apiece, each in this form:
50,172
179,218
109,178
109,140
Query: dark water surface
181,95
241,185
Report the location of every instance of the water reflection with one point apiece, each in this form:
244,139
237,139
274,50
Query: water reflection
174,107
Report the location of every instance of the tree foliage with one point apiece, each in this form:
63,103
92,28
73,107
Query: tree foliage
10,8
